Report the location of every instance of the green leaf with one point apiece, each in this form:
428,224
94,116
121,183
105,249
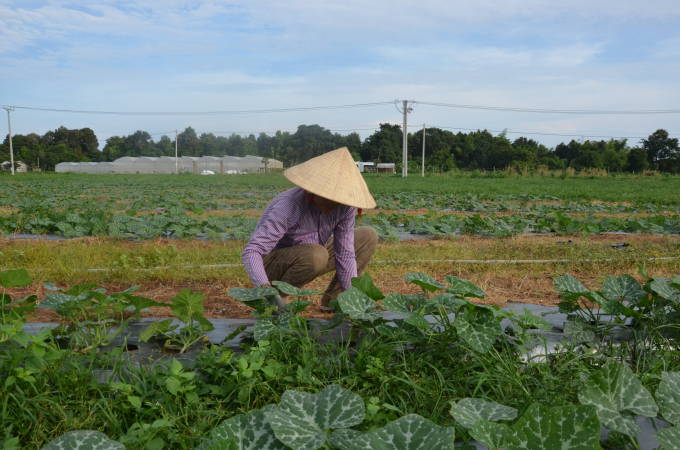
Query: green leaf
186,303
15,278
533,321
479,328
669,438
155,328
206,325
470,410
668,397
463,287
83,440
418,321
625,287
22,338
289,289
225,444
366,285
358,306
613,307
665,290
297,305
561,428
249,431
578,332
488,433
56,301
447,300
246,295
301,418
613,390
397,303
264,328
172,385
135,401
141,303
410,432
424,281
567,283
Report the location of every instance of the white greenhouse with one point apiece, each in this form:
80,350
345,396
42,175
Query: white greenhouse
84,167
166,164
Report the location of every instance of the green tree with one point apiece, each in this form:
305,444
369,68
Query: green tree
663,151
188,143
637,160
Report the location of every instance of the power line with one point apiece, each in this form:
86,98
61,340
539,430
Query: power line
544,134
207,113
554,111
362,105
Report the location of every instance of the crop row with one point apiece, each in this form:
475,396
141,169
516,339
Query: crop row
174,222
76,196
446,370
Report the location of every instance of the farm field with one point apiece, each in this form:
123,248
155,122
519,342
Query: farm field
425,342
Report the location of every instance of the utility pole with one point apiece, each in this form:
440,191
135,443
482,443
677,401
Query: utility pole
175,152
9,124
404,159
423,169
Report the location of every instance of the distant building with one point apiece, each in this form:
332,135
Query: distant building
364,166
387,168
84,167
167,165
18,166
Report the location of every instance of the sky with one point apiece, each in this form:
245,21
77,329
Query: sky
197,56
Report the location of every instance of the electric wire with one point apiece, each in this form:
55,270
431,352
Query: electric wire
554,111
206,113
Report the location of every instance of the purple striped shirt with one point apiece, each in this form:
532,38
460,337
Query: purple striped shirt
290,219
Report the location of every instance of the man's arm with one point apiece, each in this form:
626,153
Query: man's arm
343,246
269,231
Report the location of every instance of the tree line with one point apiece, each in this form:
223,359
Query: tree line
444,150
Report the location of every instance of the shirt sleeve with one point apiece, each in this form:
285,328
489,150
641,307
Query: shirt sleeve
343,246
269,231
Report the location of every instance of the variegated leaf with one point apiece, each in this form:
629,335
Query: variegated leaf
358,306
301,418
249,431
84,440
624,287
410,432
401,304
289,289
488,433
578,332
246,295
567,283
463,287
470,410
479,328
264,328
56,301
665,290
424,281
613,390
447,300
669,438
561,428
668,397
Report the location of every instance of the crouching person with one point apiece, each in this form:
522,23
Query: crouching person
308,231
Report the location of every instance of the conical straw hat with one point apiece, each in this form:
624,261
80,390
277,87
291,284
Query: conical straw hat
334,176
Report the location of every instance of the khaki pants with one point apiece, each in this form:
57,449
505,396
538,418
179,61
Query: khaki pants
300,264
